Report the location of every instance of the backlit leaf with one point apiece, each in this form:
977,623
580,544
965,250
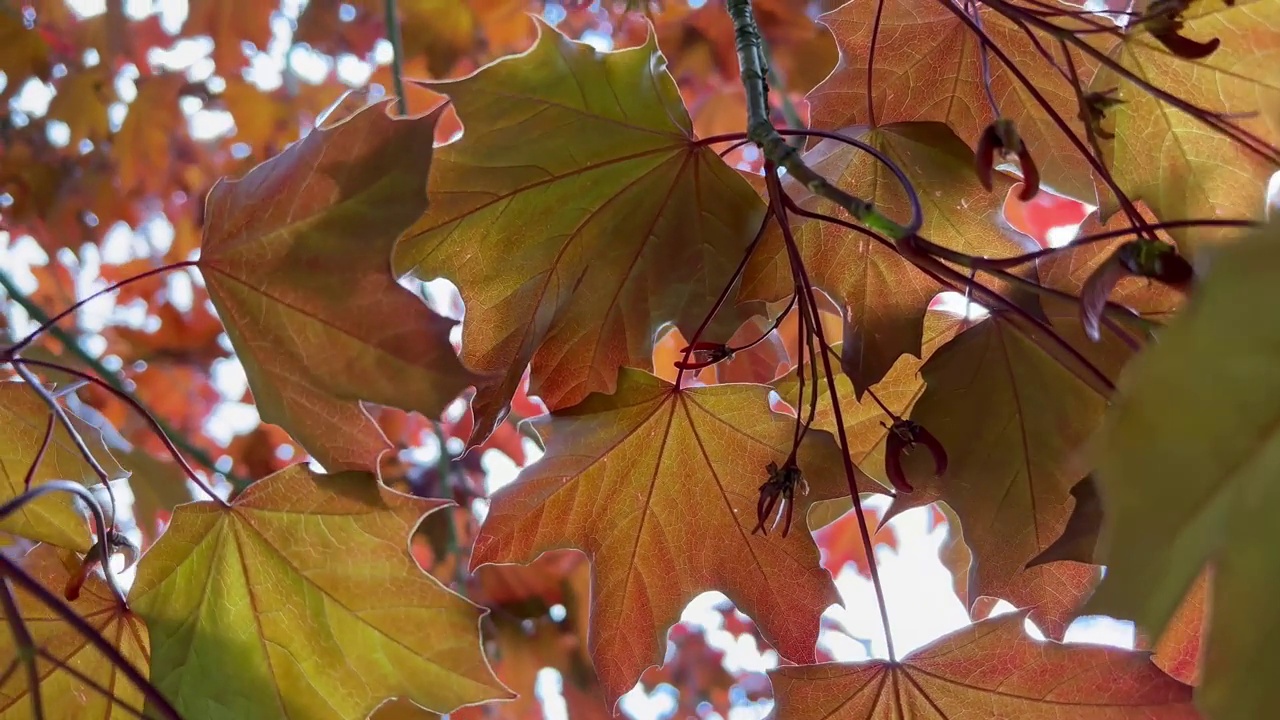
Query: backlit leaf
296,260
883,295
230,23
989,670
926,65
1175,163
301,601
1012,420
576,215
52,518
64,694
1187,471
659,487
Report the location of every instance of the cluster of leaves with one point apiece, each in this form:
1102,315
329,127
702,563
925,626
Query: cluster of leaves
705,269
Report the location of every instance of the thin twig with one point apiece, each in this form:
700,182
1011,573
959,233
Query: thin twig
397,54
25,645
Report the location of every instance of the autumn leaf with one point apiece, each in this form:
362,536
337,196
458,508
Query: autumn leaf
230,23
24,54
647,225
1180,649
925,65
52,518
295,257
82,102
144,142
1173,161
1186,470
1012,420
659,487
300,600
884,296
1079,538
62,647
987,670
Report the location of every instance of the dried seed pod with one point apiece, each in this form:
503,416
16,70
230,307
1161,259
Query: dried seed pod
1002,135
1094,107
903,436
704,354
1152,259
782,483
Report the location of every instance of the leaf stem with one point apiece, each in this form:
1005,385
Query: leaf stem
775,147
95,509
392,14
50,322
26,647
802,276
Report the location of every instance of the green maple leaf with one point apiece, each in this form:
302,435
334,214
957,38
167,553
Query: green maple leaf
300,600
1189,474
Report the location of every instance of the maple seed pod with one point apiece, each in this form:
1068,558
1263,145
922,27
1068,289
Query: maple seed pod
782,483
704,354
1163,22
1002,135
1093,110
903,436
115,541
1152,259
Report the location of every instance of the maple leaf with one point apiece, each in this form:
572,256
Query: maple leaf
988,670
61,646
659,487
926,65
1012,419
883,295
300,600
81,102
144,142
53,518
1079,538
647,225
230,23
1180,648
24,54
1186,468
1168,158
295,257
